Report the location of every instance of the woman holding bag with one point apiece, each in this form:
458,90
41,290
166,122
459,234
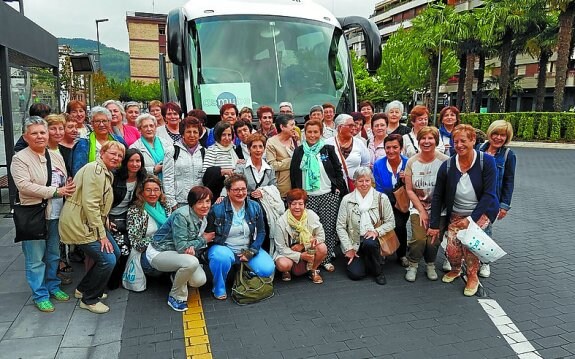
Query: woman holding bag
40,176
358,215
389,176
465,186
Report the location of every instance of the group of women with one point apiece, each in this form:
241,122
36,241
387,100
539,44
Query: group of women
185,208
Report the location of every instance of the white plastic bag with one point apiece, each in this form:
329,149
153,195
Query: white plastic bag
478,242
134,278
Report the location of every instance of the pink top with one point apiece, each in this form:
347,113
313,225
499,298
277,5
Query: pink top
131,134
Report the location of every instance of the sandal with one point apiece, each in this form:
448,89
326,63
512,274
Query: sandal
286,276
64,267
220,297
315,277
329,267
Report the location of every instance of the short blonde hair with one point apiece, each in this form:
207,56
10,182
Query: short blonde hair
113,144
501,126
55,120
465,129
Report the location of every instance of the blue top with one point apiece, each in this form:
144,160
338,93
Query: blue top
220,221
180,232
483,181
382,177
82,148
505,174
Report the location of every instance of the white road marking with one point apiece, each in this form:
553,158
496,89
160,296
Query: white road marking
510,332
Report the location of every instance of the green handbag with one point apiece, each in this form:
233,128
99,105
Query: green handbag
250,288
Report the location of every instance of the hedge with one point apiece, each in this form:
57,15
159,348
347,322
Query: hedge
529,126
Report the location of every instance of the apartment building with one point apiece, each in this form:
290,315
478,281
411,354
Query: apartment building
147,36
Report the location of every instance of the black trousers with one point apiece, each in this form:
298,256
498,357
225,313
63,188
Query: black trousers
401,231
368,262
214,180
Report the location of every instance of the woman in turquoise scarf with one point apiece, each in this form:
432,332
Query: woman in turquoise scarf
145,216
315,168
155,150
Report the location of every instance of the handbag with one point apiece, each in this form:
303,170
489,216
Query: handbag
250,288
133,277
388,242
478,242
30,220
401,198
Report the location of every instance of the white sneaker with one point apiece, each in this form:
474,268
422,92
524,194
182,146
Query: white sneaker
430,271
484,270
411,272
446,266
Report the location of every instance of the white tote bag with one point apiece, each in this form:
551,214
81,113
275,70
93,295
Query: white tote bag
478,242
134,278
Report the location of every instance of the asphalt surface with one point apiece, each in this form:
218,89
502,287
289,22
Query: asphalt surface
533,284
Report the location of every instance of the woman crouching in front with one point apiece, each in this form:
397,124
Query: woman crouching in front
299,239
359,212
175,246
238,225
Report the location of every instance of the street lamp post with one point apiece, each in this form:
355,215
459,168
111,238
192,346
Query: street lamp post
98,41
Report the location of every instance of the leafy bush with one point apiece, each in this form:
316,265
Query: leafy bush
527,126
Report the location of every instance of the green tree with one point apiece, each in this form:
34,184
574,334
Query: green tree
566,14
430,27
541,47
367,87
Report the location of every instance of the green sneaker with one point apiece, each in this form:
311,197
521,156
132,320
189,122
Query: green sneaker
60,296
45,306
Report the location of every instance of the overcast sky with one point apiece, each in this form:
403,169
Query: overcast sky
73,18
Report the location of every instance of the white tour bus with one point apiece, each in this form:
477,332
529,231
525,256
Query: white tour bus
263,52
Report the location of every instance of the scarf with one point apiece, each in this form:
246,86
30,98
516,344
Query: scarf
231,152
158,213
444,133
191,150
310,164
365,223
303,235
92,142
157,152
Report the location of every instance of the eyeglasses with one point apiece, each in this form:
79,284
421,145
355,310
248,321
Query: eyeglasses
267,117
239,190
152,190
350,125
100,122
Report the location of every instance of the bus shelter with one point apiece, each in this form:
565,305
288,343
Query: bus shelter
28,74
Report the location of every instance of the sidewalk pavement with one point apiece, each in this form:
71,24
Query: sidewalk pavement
67,333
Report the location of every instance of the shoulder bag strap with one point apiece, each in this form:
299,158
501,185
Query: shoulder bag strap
342,158
413,143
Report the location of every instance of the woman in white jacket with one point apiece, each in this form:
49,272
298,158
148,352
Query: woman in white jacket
187,161
359,212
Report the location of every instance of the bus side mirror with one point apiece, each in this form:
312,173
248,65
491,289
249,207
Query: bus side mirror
371,39
176,37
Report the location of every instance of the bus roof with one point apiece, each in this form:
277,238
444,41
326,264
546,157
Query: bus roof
303,9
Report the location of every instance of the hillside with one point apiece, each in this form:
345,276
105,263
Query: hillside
115,63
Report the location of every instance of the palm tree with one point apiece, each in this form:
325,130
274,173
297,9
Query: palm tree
507,19
541,47
430,26
566,13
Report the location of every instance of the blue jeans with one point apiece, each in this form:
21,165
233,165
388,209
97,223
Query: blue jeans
94,282
41,263
221,259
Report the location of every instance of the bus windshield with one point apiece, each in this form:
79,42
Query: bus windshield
264,60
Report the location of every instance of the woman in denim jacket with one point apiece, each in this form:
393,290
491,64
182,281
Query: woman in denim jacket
175,246
238,225
499,135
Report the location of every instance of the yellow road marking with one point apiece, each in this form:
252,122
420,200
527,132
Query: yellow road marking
195,330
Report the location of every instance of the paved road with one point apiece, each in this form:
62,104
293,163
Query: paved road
534,285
